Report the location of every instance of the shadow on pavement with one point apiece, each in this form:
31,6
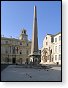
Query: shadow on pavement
3,66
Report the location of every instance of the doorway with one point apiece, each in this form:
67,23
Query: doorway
20,60
13,60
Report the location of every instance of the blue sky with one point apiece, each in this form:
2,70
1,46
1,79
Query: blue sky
16,15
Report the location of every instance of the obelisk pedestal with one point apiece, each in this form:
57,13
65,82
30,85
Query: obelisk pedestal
35,54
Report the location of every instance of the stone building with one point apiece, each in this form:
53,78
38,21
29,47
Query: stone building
15,50
51,50
57,48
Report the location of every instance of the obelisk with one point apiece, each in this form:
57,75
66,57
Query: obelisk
34,47
34,56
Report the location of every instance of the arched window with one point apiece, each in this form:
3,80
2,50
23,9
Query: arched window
51,51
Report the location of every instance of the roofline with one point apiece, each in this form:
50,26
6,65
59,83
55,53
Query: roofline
49,34
52,35
9,38
57,33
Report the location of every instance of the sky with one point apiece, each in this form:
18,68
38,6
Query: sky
16,15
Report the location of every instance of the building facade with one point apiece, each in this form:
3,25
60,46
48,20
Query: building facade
57,48
51,50
15,50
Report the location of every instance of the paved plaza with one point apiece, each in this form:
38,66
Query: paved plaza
14,73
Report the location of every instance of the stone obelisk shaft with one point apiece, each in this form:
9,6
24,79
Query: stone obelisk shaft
34,47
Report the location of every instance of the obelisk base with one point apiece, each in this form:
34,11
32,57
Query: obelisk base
35,58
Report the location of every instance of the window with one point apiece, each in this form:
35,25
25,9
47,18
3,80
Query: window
55,57
59,38
6,42
10,49
6,50
59,56
52,39
17,50
27,44
46,37
20,43
55,39
24,31
13,49
59,48
20,52
46,43
56,49
51,51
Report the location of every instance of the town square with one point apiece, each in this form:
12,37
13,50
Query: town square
32,56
